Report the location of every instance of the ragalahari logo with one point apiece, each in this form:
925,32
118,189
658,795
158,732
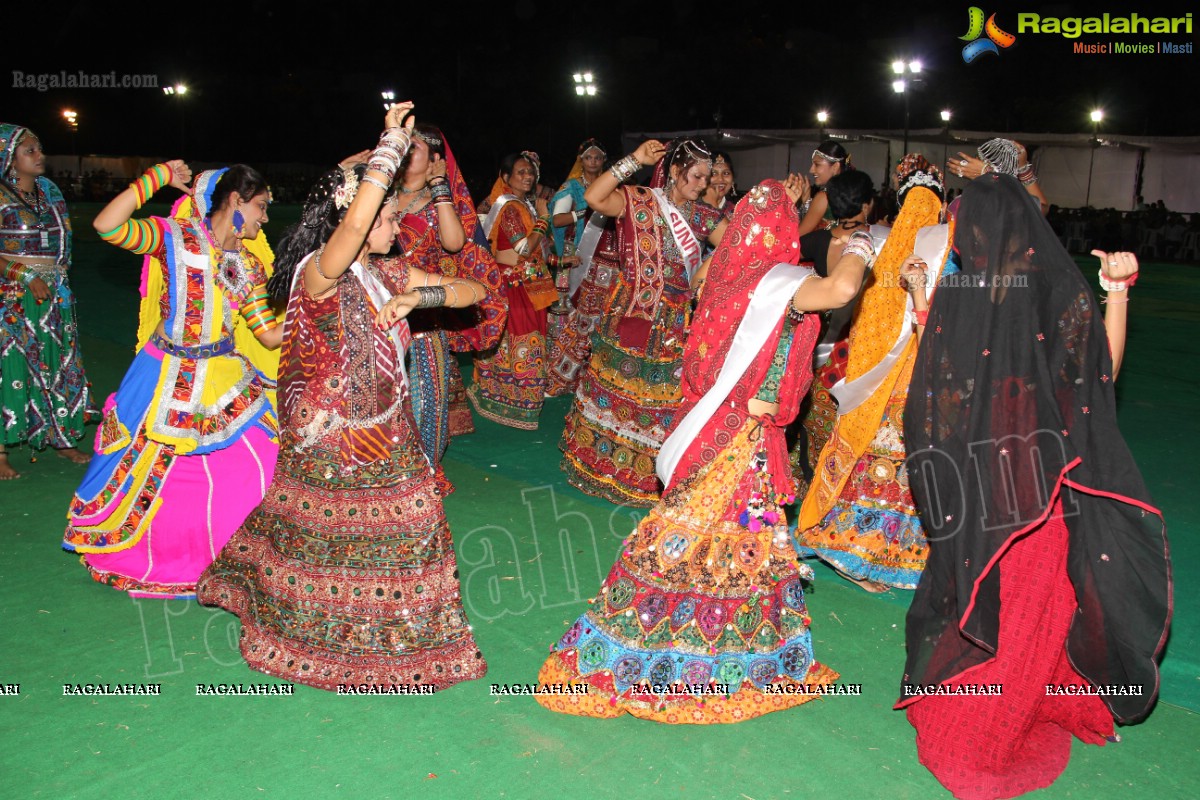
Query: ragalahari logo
996,38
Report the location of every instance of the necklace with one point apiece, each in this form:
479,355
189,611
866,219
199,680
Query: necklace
418,199
231,267
405,190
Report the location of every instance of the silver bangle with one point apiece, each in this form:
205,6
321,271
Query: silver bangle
860,245
625,169
431,296
374,182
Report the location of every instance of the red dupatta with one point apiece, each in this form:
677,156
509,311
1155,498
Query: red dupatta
478,328
763,232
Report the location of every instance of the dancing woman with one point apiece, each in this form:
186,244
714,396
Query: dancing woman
706,590
44,395
187,444
437,224
829,159
1048,571
510,381
345,574
628,396
858,515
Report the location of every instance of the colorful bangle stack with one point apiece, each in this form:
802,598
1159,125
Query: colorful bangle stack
541,226
552,260
16,273
257,311
860,245
624,169
1026,175
1109,285
387,155
439,191
150,182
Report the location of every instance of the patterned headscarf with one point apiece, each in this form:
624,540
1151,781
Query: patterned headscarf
916,170
10,137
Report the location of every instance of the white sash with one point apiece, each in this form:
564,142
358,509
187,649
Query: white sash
930,245
494,213
685,238
586,250
768,303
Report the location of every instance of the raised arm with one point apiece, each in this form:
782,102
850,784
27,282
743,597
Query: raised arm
450,228
140,236
428,290
603,195
844,281
322,271
1118,271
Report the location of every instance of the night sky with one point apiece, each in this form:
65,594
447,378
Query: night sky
272,83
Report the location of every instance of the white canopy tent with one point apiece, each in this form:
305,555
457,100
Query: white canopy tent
1168,168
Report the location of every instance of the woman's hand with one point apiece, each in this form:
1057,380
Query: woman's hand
543,208
1117,266
437,169
396,309
797,188
181,175
349,162
1022,155
913,275
650,152
965,166
39,290
395,115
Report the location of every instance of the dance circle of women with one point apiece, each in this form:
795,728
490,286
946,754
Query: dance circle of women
188,442
345,574
703,617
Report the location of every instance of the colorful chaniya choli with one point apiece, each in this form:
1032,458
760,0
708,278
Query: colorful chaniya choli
703,617
44,394
345,574
859,515
628,395
509,384
188,441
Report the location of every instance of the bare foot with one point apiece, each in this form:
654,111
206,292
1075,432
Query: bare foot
7,473
73,454
874,587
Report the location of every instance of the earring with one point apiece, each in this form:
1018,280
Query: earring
239,222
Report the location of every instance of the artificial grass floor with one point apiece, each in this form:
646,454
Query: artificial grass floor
532,550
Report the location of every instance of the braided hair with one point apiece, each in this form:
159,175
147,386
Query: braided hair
318,220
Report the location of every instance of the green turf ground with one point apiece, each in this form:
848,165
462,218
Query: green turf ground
532,550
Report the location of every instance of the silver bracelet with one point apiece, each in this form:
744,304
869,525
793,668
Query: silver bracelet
624,169
374,182
431,296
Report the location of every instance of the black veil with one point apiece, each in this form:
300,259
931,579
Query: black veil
1011,408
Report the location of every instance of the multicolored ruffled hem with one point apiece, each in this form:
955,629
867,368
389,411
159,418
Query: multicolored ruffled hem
696,608
599,701
510,385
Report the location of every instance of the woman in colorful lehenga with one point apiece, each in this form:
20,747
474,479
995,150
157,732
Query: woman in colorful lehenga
707,592
1049,572
187,444
584,244
858,515
345,574
44,395
510,380
437,224
628,396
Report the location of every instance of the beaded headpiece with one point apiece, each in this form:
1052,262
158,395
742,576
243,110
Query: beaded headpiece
916,170
431,139
1001,155
589,144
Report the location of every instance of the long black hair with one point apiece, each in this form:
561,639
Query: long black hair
318,220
